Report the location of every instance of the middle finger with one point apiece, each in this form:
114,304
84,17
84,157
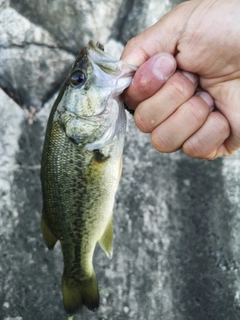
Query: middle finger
156,109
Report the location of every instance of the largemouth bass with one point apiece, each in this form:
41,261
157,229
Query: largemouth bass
81,167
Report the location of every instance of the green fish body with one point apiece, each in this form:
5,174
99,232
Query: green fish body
81,168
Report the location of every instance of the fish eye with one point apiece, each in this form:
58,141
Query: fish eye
78,78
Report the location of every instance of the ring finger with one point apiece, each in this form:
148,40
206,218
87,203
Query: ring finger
183,123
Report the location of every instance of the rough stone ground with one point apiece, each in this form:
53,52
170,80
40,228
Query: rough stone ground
177,220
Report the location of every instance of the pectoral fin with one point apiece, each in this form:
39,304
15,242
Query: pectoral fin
107,239
49,238
120,170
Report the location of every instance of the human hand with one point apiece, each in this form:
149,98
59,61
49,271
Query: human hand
202,35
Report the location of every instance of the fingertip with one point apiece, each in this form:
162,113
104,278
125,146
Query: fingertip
162,65
149,78
207,98
191,76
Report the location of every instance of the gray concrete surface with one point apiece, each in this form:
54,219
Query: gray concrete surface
177,220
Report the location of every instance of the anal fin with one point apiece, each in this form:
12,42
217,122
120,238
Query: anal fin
48,236
106,242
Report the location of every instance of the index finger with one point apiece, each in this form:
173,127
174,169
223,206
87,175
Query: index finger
163,36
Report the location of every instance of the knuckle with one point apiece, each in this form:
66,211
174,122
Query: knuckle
220,123
193,149
161,141
134,46
205,145
142,120
198,110
132,42
197,150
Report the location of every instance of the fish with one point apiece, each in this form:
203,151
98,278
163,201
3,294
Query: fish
81,167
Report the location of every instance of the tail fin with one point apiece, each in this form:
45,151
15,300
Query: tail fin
76,294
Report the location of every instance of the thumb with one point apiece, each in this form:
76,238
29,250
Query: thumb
163,36
149,78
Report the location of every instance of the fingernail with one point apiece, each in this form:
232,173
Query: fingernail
191,76
207,98
163,67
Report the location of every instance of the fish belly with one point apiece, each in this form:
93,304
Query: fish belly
78,198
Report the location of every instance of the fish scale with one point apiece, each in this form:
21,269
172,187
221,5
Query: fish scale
81,168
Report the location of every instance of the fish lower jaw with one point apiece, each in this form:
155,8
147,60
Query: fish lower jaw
122,84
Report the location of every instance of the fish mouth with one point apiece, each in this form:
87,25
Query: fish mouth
110,70
107,63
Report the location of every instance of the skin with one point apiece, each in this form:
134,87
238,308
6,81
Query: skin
186,91
78,183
